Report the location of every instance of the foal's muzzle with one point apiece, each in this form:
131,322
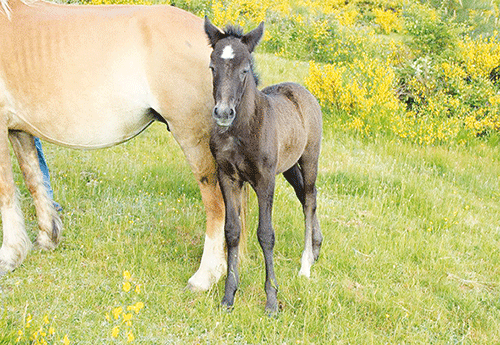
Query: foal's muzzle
224,115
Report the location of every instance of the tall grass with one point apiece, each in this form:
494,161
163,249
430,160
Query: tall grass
412,227
411,250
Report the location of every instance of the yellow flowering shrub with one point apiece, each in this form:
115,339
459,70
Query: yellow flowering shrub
480,55
402,67
361,91
122,2
388,20
239,12
346,16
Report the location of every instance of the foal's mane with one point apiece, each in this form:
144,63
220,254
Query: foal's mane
237,32
232,31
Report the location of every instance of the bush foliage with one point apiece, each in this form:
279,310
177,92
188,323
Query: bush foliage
424,71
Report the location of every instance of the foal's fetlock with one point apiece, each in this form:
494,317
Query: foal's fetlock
316,245
227,306
272,307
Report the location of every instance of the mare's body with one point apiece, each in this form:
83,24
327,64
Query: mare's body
94,76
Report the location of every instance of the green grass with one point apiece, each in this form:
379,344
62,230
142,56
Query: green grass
411,250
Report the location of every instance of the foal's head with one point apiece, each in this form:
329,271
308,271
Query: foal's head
231,65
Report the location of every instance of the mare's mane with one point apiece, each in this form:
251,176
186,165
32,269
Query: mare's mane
4,4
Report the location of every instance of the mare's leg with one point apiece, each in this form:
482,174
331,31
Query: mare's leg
313,236
16,243
231,191
48,219
265,233
213,261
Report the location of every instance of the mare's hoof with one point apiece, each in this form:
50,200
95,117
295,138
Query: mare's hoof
6,267
44,242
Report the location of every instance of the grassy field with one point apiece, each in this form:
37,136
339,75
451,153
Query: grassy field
411,251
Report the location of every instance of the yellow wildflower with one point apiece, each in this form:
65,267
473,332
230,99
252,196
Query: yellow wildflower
115,331
127,317
130,337
136,307
126,286
117,312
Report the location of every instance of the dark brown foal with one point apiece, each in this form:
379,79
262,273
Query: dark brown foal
256,135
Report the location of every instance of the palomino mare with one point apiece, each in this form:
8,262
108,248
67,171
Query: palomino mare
94,76
256,135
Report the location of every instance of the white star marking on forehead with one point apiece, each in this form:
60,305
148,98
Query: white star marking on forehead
227,53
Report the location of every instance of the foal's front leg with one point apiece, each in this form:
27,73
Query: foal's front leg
231,190
265,233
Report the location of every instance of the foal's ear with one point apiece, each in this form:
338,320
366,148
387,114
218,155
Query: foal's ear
253,37
213,33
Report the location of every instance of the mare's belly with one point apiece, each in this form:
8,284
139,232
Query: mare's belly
84,130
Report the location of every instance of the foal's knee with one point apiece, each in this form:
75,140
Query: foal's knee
232,233
266,238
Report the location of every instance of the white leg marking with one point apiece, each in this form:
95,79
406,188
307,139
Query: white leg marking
213,264
16,242
306,262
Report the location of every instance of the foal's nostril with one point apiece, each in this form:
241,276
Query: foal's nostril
224,114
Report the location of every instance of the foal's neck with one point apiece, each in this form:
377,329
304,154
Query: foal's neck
251,107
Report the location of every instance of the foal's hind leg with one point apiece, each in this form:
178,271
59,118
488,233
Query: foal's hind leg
303,181
48,219
314,238
16,243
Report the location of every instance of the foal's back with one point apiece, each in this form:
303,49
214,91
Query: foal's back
298,119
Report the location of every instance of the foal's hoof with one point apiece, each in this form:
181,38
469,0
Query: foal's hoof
226,305
272,311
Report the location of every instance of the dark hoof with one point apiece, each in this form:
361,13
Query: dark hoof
226,306
273,310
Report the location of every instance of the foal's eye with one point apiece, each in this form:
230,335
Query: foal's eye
244,72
